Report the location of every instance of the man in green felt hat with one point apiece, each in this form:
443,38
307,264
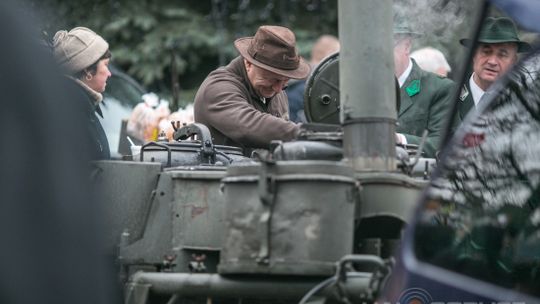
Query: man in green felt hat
496,53
425,96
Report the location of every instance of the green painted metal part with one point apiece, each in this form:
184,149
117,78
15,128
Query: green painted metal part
293,217
126,189
388,194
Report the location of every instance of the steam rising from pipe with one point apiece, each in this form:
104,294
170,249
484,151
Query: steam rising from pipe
440,22
433,18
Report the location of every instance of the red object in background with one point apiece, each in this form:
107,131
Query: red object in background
472,140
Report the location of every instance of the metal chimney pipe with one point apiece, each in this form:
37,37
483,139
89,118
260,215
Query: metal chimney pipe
366,76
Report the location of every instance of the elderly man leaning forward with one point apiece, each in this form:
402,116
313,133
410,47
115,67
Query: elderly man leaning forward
243,104
496,53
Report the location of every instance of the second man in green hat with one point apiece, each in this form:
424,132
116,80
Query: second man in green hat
496,53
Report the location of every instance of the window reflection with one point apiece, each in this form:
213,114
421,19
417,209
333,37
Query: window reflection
482,216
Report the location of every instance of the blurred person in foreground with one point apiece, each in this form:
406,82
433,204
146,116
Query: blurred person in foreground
432,60
243,104
323,47
50,226
425,97
496,53
84,58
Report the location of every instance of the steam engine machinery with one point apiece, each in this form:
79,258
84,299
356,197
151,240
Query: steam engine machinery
315,218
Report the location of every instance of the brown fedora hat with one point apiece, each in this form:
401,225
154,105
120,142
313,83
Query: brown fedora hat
273,48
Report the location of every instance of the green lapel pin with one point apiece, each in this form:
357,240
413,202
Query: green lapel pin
413,88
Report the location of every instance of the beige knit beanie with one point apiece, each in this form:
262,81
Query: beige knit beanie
78,49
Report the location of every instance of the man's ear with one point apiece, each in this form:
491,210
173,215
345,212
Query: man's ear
247,64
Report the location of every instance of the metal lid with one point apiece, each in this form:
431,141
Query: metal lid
321,96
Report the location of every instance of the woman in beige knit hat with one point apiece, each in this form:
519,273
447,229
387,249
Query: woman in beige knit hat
84,57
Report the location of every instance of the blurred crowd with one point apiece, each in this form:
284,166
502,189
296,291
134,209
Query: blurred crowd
152,116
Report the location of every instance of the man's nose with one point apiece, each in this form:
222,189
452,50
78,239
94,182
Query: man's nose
279,85
492,59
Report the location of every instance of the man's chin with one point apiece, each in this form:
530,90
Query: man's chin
268,95
491,74
490,77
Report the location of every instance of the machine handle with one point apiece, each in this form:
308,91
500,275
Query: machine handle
185,132
208,153
155,144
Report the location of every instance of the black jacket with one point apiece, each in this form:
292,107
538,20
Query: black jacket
97,144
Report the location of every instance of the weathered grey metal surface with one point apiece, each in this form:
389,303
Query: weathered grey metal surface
368,107
215,285
290,217
185,221
155,241
198,208
388,194
370,146
423,168
387,202
126,189
308,150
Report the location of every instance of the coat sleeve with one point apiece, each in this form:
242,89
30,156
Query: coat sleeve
438,114
228,110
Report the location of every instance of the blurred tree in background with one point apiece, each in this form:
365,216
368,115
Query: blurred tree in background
147,36
158,41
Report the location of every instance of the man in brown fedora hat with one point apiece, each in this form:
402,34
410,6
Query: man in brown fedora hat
496,53
243,104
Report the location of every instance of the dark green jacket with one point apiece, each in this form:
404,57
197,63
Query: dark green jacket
425,105
466,102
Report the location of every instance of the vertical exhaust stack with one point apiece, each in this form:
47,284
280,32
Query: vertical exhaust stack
366,74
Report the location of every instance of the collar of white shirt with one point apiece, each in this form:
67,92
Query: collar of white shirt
476,91
405,74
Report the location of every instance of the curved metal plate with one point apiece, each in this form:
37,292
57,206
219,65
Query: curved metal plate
321,96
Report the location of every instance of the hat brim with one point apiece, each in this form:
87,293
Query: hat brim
522,46
303,70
